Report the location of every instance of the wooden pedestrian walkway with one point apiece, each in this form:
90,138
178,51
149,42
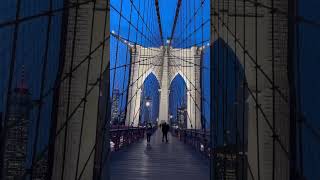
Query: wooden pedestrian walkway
159,161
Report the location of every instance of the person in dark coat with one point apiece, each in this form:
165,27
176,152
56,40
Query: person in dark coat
149,132
165,130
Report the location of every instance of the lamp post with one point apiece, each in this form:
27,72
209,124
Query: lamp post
170,117
148,105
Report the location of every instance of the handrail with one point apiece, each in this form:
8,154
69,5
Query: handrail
198,139
122,136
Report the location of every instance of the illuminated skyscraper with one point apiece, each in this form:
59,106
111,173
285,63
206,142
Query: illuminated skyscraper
40,171
16,137
182,117
122,117
115,113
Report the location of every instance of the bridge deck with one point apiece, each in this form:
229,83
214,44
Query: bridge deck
160,161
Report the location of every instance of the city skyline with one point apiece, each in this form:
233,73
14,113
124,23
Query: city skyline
15,150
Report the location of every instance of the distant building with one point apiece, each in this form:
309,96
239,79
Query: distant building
115,113
230,163
122,117
40,169
16,138
182,117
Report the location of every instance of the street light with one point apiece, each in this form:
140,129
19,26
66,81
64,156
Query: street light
170,117
148,105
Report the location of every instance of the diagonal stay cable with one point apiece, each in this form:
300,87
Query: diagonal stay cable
192,18
86,88
91,152
159,20
130,23
93,85
251,58
175,20
42,14
193,32
142,19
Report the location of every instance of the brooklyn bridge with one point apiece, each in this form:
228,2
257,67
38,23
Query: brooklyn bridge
84,82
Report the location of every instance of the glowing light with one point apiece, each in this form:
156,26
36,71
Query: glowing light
112,146
148,103
201,147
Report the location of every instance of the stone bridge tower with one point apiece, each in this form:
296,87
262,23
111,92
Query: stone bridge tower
165,63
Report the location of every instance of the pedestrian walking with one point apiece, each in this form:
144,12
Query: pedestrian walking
149,132
165,130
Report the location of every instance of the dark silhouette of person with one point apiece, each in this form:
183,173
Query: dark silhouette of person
149,132
165,130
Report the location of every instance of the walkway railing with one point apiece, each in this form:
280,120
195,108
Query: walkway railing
198,139
122,136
